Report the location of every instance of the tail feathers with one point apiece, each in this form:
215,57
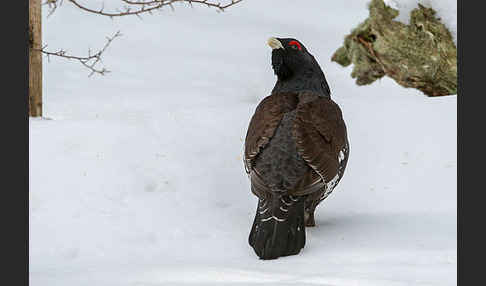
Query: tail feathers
279,227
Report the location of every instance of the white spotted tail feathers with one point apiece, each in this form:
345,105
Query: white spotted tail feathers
279,226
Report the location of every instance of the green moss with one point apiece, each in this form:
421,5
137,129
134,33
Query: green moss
421,55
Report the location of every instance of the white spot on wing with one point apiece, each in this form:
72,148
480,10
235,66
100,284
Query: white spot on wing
330,186
341,156
332,183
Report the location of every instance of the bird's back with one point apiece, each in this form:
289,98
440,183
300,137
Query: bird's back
293,141
279,164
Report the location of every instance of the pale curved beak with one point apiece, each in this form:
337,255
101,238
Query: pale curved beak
275,44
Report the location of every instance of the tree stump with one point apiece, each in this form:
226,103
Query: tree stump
421,55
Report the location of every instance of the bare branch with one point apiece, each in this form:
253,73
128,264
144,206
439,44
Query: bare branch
89,61
131,7
147,6
169,2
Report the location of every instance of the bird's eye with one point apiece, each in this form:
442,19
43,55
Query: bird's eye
295,45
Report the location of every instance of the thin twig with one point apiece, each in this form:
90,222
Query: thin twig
169,2
138,7
53,4
89,61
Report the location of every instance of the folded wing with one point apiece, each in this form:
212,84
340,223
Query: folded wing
264,122
321,137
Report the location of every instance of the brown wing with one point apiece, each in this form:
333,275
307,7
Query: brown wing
264,122
321,135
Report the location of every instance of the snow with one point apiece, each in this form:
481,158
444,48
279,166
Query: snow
446,11
138,178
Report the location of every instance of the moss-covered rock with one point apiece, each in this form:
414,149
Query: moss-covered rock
420,55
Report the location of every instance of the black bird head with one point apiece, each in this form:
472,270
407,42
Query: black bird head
296,68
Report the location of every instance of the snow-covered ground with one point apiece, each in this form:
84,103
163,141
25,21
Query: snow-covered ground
138,179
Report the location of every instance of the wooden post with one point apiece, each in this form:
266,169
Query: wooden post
35,59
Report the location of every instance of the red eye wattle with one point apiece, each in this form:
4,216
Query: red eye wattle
295,43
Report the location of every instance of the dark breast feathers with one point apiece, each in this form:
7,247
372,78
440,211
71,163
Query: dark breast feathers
296,144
